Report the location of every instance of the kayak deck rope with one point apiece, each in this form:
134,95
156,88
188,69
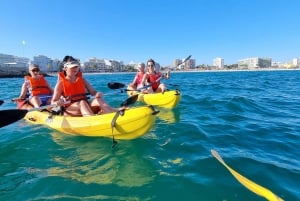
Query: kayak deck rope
113,125
154,111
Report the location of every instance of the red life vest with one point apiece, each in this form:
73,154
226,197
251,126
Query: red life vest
154,80
139,78
38,86
73,91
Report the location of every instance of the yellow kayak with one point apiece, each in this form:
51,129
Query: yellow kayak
135,122
168,99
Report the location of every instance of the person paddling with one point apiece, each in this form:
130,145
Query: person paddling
73,88
153,78
35,88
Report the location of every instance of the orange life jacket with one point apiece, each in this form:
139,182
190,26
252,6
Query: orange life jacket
38,86
73,91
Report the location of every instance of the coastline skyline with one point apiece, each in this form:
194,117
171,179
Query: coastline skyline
136,31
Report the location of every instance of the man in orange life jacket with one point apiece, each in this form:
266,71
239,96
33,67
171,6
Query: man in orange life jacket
73,88
37,87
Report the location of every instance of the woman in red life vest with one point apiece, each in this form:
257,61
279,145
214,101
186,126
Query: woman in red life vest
73,88
36,88
153,78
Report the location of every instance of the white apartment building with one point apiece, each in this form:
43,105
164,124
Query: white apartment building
102,65
296,62
44,62
189,64
218,62
177,62
56,65
7,60
254,62
113,65
94,65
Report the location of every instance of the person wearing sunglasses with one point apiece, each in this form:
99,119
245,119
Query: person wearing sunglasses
35,90
153,77
71,92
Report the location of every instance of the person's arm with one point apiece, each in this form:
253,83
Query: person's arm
24,90
91,90
134,80
147,87
57,94
144,80
167,75
164,75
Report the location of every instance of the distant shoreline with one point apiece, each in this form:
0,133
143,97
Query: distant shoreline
238,70
195,71
21,75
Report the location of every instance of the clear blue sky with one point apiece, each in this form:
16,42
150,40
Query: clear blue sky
136,30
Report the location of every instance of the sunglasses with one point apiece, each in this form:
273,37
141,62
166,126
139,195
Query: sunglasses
150,65
35,70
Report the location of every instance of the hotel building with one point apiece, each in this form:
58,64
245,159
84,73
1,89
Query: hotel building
218,62
254,63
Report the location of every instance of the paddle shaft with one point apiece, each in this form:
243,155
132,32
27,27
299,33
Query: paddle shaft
186,59
12,100
12,115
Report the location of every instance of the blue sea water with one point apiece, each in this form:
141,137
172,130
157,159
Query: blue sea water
251,118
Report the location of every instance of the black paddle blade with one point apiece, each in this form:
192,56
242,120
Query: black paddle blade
1,102
187,58
11,116
115,85
130,100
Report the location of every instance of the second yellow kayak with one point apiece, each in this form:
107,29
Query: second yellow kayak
168,99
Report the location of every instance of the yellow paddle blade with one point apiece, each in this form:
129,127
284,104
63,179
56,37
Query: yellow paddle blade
259,190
